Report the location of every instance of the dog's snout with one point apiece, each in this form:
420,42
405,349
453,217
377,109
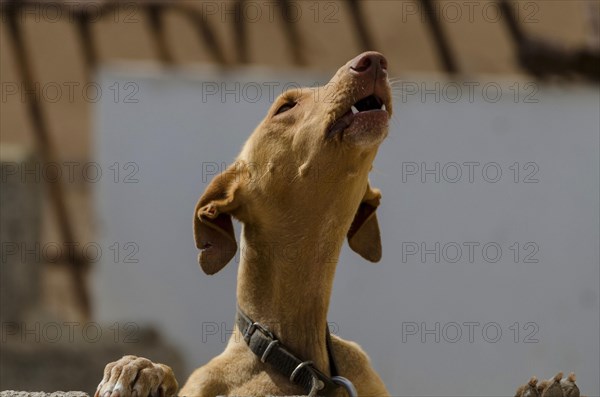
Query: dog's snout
369,62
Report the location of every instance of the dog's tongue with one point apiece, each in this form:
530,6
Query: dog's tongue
341,124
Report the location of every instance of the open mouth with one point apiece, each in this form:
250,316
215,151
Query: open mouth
370,105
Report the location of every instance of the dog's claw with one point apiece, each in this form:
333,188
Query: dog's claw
136,376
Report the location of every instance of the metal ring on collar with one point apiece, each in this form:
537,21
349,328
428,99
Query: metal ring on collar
297,370
346,384
267,351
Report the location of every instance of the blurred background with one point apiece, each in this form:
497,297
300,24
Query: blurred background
116,115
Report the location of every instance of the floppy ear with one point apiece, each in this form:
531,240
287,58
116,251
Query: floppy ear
213,229
364,237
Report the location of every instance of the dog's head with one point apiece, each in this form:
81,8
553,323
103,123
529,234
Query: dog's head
308,159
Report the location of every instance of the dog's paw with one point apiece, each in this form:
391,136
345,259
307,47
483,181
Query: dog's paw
133,376
553,387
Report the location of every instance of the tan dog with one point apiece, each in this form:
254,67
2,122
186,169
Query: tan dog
300,187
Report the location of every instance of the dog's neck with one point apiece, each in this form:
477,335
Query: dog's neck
285,283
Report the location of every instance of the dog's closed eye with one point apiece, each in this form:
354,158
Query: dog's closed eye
285,107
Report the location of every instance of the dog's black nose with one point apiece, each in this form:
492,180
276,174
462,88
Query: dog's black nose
369,62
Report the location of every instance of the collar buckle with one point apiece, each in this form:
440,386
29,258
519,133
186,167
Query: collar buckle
257,326
272,351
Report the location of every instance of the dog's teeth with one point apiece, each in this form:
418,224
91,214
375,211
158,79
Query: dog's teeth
383,107
354,109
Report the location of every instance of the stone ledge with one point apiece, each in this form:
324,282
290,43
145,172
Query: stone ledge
76,364
13,393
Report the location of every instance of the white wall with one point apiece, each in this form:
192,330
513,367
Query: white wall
177,125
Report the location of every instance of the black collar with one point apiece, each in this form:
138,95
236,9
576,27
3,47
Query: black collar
268,348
